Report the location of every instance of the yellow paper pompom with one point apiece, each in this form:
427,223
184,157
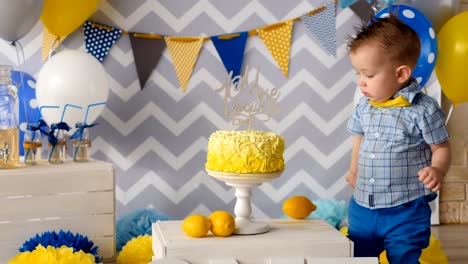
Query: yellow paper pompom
79,257
51,255
433,254
344,230
137,251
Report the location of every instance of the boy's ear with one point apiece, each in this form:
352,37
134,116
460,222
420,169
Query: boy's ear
403,73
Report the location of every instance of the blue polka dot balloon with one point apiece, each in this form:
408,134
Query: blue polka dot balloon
423,27
28,108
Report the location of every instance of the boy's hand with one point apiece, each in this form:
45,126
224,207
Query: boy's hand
431,177
351,179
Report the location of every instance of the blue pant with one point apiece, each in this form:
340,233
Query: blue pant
403,231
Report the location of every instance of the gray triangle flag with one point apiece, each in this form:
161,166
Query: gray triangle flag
363,10
146,52
323,26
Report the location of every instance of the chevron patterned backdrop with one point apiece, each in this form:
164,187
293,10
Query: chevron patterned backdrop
157,137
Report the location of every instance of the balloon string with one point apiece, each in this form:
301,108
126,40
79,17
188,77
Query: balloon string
449,114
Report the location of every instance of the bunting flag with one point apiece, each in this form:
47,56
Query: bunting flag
147,52
346,3
99,40
49,43
231,50
184,53
363,10
277,38
323,26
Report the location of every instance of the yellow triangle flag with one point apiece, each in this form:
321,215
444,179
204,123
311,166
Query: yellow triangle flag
277,38
184,53
49,40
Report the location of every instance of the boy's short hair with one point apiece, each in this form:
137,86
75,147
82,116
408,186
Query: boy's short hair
397,39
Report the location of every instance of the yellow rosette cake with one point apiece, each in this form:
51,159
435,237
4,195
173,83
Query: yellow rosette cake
245,152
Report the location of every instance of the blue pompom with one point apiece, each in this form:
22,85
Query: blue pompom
135,224
330,210
77,242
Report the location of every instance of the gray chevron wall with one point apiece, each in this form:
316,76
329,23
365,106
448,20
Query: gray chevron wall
157,137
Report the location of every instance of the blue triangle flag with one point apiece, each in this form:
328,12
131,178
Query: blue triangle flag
231,50
99,40
323,26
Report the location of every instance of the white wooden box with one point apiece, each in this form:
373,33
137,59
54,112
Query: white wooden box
72,196
287,240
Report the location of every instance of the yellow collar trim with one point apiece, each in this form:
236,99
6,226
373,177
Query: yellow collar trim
400,101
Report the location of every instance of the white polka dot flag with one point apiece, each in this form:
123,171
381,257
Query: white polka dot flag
277,38
49,43
184,53
99,40
323,26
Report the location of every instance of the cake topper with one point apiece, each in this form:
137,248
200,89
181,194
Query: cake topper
247,103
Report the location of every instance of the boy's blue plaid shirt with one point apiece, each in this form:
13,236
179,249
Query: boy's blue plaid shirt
394,147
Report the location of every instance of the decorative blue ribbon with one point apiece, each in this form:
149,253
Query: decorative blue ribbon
59,126
38,126
79,131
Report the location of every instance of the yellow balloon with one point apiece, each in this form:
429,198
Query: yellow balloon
62,17
452,61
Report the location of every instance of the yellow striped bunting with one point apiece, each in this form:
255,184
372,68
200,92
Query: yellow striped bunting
184,53
48,40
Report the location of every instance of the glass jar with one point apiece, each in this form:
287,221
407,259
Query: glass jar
9,114
58,152
81,145
32,144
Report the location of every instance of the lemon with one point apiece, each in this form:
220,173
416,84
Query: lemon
196,225
298,207
222,223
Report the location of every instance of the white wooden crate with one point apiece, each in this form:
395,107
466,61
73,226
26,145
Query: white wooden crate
291,260
78,197
287,242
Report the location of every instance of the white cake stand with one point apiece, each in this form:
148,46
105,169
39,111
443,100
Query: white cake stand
243,183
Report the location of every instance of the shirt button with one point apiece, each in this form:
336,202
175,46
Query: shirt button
377,134
372,180
372,156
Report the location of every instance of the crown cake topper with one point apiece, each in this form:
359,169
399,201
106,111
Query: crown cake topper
246,102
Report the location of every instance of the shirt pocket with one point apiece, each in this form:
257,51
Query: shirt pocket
397,129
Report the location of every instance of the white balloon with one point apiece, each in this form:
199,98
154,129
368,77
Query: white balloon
71,77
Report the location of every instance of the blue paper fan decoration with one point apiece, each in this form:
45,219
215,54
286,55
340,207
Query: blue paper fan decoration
76,241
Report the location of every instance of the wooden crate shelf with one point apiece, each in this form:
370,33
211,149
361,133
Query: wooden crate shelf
76,197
